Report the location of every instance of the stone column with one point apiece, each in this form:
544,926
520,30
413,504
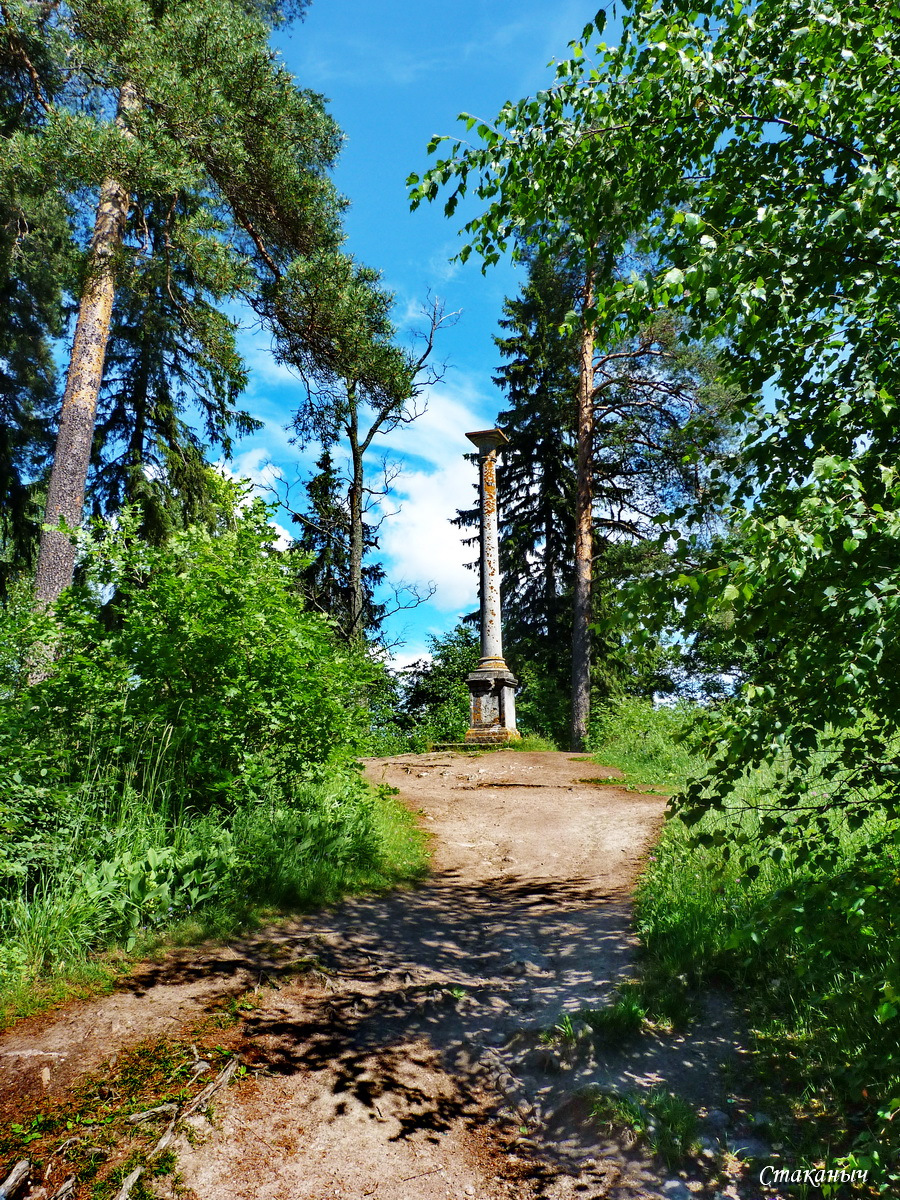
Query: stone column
492,687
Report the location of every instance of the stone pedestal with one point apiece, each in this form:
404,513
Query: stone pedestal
492,685
492,692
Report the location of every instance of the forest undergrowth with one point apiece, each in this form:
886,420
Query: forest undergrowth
185,768
809,953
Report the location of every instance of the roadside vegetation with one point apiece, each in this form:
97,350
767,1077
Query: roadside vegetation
188,765
808,949
699,501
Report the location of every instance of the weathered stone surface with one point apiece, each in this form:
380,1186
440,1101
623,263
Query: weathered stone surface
492,686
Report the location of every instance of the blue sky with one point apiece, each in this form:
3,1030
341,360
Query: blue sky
394,73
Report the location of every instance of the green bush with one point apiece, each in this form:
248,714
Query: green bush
436,699
188,750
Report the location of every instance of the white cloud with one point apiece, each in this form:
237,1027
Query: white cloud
419,542
284,539
411,654
256,465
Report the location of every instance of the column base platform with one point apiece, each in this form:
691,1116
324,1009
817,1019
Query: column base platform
492,688
494,736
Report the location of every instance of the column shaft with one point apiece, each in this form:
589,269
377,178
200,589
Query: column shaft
491,635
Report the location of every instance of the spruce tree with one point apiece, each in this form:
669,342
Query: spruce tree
656,410
325,542
536,481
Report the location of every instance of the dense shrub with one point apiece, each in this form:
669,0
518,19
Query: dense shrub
189,746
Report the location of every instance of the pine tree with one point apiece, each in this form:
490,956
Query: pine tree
172,364
35,265
155,108
370,388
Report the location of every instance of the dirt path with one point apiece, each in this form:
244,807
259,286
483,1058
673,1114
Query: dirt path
406,1062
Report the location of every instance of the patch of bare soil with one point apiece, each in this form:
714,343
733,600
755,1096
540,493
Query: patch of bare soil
394,1044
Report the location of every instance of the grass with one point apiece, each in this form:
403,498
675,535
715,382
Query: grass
808,952
107,882
663,1120
622,1019
533,742
654,1000
641,741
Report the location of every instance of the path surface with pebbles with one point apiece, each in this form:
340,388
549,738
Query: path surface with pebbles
407,1064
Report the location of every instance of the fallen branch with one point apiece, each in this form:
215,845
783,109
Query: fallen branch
128,1183
199,1101
66,1191
17,1177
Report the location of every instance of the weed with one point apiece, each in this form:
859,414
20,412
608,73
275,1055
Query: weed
666,1122
129,874
806,946
621,1020
532,742
616,1113
673,1131
89,1133
563,1031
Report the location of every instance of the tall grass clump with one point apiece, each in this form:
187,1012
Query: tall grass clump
183,751
647,743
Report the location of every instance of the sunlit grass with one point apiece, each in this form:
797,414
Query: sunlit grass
118,879
807,950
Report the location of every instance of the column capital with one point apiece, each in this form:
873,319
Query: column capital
488,439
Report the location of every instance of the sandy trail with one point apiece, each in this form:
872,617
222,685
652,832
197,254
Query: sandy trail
407,1064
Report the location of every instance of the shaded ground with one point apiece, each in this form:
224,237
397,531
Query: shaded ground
395,1041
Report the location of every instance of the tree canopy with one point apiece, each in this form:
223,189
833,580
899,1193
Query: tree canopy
753,146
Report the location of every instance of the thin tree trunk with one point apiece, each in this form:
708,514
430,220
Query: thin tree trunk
584,503
357,627
71,459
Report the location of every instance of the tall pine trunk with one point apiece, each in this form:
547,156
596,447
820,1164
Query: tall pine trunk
71,459
584,504
356,598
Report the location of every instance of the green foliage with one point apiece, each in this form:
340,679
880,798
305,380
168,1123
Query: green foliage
813,952
753,146
644,741
187,753
203,645
436,695
748,144
172,377
667,1122
225,163
808,946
